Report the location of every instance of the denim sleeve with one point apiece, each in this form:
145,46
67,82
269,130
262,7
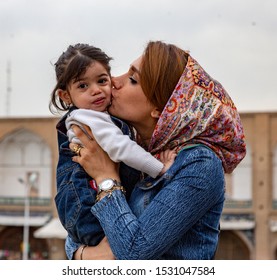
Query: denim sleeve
71,247
193,189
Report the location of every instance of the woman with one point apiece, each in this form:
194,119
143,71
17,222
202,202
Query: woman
173,104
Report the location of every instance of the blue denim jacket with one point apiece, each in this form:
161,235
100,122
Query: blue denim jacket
75,196
173,217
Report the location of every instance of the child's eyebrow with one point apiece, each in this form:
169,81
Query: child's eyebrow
103,74
84,78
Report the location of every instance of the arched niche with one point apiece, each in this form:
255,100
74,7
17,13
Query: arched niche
239,182
233,245
23,153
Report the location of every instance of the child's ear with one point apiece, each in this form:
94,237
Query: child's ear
155,113
64,96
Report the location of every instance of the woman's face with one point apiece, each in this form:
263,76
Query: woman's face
128,100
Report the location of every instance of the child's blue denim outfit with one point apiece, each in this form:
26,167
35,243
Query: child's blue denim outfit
75,194
173,217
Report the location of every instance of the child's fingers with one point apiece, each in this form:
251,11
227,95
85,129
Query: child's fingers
168,154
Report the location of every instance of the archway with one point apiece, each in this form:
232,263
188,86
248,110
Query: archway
23,153
11,245
232,247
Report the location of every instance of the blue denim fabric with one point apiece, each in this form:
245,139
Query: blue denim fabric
75,196
174,217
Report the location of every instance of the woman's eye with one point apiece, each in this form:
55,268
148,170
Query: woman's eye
133,81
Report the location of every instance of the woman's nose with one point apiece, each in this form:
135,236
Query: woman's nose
117,84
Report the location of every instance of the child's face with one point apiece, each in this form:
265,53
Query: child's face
92,90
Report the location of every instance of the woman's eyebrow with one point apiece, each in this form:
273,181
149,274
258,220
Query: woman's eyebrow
134,69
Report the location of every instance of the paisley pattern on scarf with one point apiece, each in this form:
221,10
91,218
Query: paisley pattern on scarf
200,111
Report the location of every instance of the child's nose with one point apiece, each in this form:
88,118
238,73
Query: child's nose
95,90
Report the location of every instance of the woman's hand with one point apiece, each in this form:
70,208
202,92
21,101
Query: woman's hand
100,252
93,159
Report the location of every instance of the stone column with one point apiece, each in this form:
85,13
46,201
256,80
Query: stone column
262,186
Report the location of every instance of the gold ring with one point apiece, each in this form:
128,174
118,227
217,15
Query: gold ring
77,149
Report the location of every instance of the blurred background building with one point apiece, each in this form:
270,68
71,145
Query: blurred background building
30,229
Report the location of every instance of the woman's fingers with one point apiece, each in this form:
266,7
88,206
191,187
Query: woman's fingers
85,135
92,157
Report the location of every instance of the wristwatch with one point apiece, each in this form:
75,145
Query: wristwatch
108,184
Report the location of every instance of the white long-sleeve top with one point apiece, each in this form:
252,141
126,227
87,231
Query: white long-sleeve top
118,146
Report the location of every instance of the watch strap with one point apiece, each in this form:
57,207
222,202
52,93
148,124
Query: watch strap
110,191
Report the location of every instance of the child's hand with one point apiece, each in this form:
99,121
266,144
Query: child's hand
167,157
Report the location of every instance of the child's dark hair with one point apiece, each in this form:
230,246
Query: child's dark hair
71,65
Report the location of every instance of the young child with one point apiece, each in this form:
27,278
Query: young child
83,89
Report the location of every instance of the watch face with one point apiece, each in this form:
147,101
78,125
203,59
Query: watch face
106,185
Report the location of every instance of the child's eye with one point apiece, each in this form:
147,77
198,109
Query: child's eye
82,85
103,81
133,81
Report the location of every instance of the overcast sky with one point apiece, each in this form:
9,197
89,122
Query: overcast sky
235,41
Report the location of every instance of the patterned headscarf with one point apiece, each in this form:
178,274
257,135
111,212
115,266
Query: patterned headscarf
200,111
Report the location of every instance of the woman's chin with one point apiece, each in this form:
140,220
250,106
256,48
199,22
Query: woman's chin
112,110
